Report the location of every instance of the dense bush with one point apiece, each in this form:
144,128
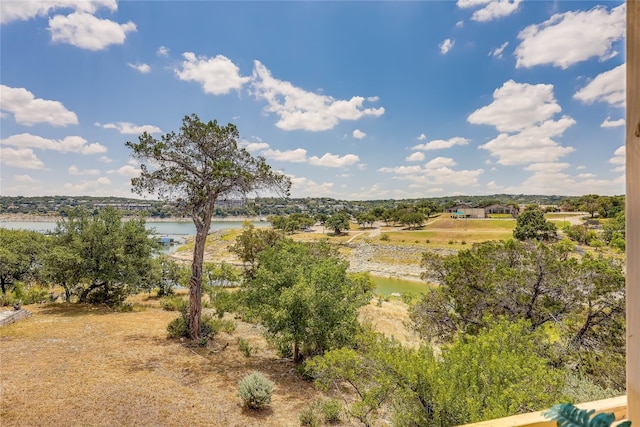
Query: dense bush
174,303
255,390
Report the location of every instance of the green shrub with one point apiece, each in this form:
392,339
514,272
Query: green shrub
178,327
174,303
309,416
215,325
255,390
245,347
385,237
331,410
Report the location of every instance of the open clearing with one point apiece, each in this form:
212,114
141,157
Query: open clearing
90,366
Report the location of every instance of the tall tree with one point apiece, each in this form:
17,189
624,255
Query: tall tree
532,225
20,253
195,168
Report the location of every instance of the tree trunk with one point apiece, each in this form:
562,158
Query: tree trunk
195,281
296,353
85,293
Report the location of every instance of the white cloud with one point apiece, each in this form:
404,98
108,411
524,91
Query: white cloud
334,161
23,158
585,175
619,158
606,87
440,162
532,145
571,37
607,123
254,146
23,178
85,31
402,170
127,128
422,137
304,187
446,46
24,10
298,155
218,76
163,51
517,106
105,159
491,9
142,68
492,186
29,110
129,170
415,157
439,144
459,24
70,144
103,180
302,110
358,134
547,167
497,52
73,170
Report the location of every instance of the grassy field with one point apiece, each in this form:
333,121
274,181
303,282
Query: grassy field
79,365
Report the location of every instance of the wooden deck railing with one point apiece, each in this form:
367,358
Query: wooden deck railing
617,405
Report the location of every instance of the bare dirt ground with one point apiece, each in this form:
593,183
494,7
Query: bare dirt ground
90,366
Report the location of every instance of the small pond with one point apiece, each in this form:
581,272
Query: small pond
387,286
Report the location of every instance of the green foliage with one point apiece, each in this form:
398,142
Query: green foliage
568,415
101,257
532,225
251,242
541,284
20,256
245,347
220,275
255,390
178,328
309,416
338,222
174,303
224,300
303,295
171,274
385,237
193,169
331,410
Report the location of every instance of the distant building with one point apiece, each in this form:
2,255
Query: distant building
464,210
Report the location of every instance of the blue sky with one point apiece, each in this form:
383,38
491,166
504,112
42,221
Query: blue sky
353,100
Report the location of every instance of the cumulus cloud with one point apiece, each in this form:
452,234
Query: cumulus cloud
299,109
517,106
24,10
531,145
254,146
422,137
358,134
415,157
70,144
128,128
29,110
607,123
490,9
73,170
298,155
163,51
446,46
130,171
439,144
142,68
497,52
218,76
524,114
571,37
85,31
305,187
606,87
619,157
23,158
334,161
440,162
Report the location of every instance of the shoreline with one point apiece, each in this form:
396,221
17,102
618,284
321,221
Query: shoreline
13,217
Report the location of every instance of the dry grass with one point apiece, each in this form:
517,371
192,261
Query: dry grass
85,366
79,365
